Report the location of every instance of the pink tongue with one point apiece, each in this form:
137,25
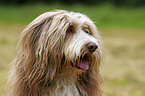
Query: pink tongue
84,65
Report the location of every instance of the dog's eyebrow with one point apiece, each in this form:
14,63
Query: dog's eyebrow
86,26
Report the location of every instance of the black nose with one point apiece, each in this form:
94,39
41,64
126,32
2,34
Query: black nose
92,47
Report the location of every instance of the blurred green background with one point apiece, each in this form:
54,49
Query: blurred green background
121,25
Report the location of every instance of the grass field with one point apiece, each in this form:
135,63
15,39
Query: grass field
122,31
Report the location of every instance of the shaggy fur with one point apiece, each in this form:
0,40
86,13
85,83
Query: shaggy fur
55,57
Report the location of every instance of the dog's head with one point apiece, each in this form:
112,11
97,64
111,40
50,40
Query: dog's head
59,40
82,45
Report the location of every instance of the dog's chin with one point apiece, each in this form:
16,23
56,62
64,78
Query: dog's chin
82,63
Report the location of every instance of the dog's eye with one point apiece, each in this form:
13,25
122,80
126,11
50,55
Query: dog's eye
70,29
87,31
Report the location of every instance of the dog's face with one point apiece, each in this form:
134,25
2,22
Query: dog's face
82,43
60,39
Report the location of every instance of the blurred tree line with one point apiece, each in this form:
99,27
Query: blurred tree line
93,2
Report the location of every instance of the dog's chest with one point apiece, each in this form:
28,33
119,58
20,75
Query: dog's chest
64,89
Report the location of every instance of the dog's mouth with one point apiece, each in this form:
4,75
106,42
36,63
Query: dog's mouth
82,63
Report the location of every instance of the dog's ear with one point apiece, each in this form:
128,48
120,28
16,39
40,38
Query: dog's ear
28,60
41,48
32,32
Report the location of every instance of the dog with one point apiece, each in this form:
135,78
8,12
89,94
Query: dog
59,55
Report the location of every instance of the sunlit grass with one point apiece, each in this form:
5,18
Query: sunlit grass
8,39
124,62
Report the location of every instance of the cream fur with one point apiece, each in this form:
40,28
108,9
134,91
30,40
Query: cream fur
46,50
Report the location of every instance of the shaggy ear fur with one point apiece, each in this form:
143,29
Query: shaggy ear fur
39,52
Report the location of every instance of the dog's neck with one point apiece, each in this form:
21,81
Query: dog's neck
64,88
66,84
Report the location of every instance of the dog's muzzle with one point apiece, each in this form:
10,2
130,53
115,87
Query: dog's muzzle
84,61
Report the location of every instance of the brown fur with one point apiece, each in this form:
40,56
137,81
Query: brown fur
41,67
